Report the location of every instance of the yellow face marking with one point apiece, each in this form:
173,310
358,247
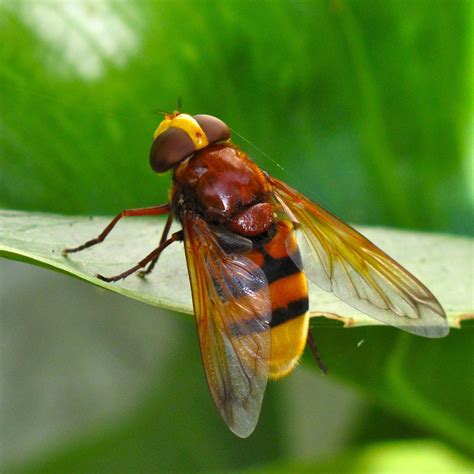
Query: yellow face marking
188,124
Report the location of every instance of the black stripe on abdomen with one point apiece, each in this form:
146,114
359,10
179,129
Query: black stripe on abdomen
276,268
293,310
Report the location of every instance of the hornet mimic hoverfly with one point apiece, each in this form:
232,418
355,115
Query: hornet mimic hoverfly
249,289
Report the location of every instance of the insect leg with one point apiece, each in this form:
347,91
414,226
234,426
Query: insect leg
315,352
177,236
144,211
164,236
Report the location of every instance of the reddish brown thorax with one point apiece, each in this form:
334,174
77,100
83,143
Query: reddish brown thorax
224,185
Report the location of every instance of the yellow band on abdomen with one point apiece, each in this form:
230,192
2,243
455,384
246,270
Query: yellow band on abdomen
288,343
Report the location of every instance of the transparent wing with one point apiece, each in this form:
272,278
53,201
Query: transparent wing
233,310
344,262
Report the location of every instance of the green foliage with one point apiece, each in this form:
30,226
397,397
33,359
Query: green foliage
370,102
364,104
414,456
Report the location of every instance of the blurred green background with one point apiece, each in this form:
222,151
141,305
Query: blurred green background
366,106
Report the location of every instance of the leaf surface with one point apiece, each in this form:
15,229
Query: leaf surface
440,261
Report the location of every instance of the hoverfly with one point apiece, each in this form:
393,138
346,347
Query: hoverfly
249,289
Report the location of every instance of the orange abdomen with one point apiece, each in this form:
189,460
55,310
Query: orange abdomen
280,260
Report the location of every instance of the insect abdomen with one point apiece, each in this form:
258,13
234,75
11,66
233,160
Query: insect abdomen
280,260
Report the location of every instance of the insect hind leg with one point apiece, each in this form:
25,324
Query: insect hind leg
315,352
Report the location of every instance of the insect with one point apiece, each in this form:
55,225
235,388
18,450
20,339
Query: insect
249,288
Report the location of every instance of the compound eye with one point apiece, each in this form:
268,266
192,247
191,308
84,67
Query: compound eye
214,128
169,148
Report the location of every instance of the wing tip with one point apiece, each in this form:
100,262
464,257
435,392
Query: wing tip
432,331
242,425
242,432
435,323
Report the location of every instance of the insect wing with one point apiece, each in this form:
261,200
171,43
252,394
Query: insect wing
344,262
233,310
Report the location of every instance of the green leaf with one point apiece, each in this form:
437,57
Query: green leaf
438,260
391,457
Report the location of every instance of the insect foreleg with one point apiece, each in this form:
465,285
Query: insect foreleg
164,236
144,211
177,236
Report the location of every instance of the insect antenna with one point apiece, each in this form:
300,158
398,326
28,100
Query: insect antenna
160,112
180,104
